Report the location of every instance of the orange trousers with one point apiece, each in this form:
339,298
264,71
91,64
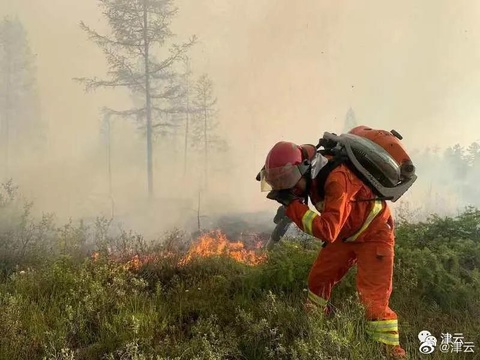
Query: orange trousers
374,262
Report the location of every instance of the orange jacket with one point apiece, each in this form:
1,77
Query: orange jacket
342,214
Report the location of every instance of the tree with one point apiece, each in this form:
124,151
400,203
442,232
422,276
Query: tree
455,157
19,105
139,29
204,124
106,130
470,190
473,154
186,82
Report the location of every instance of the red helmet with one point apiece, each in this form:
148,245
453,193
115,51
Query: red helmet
286,163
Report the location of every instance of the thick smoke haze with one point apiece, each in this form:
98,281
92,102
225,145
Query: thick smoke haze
281,71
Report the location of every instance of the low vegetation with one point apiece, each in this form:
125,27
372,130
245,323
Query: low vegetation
78,292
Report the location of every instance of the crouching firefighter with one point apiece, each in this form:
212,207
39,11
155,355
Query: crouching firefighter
348,179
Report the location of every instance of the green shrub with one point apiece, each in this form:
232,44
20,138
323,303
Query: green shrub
58,303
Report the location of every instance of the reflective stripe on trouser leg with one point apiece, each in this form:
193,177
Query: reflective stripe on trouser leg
307,221
316,300
384,331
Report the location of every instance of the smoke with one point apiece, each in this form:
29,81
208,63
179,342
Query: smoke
281,71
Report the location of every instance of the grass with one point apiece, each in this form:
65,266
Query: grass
58,303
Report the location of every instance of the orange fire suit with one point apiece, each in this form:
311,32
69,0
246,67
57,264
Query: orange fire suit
356,232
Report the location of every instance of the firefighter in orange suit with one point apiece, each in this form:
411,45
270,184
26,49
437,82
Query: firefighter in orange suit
354,231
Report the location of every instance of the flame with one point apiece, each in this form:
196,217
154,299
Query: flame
134,264
216,243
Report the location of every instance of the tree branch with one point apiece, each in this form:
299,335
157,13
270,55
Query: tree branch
124,113
104,41
177,52
93,84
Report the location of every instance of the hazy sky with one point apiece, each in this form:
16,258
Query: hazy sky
284,70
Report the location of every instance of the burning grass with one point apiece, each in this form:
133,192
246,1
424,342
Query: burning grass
215,243
210,244
213,298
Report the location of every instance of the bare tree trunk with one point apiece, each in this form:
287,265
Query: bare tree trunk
148,102
198,212
6,117
185,155
187,121
205,118
109,163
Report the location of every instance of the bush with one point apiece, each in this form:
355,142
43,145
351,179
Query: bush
59,302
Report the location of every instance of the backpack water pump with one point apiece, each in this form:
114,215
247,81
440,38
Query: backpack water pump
372,163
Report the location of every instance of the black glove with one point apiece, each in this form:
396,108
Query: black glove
280,214
284,197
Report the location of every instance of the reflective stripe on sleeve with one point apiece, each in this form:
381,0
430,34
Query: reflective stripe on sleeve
307,221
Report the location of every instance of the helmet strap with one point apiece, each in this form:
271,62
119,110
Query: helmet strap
306,163
304,168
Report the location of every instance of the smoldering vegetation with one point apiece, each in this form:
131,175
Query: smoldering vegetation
83,292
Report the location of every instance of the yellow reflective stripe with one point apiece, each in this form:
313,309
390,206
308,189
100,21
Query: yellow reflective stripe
317,300
377,207
382,325
307,221
389,339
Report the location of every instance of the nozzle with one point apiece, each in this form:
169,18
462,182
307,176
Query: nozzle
396,134
407,169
